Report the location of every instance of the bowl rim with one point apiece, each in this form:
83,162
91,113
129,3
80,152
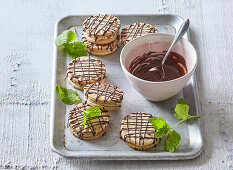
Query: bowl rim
158,82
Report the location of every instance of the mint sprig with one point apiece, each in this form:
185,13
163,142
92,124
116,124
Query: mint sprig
68,96
172,141
76,49
67,40
181,111
91,112
162,127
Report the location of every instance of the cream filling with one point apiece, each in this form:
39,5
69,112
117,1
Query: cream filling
93,38
104,104
75,83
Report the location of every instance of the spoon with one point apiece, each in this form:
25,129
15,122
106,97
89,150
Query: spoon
182,30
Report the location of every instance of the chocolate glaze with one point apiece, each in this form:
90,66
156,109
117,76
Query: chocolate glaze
174,66
76,120
140,123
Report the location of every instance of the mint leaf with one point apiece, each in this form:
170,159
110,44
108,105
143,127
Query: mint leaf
65,37
173,141
160,125
85,118
182,101
76,49
68,96
91,112
181,111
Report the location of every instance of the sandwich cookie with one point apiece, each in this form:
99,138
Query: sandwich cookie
101,29
138,132
85,70
101,49
136,30
104,96
95,126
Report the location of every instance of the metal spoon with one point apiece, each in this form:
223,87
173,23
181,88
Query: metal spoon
182,30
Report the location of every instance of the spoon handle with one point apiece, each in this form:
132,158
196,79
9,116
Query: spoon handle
182,30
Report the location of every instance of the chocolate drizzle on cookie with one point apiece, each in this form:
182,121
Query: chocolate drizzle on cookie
75,122
136,30
101,25
137,126
85,69
93,47
108,91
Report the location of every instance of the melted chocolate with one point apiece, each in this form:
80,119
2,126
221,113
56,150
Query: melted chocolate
174,66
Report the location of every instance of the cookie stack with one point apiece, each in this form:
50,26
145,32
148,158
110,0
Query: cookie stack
95,127
136,30
138,132
90,74
85,70
101,34
104,96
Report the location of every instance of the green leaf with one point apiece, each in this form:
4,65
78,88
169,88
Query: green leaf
160,125
65,37
91,112
173,141
76,49
182,101
68,96
181,111
85,118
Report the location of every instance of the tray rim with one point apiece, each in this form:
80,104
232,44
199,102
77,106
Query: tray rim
98,155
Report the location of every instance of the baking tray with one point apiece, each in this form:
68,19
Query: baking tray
110,146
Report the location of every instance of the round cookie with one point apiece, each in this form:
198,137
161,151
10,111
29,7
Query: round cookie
95,126
85,70
101,49
106,52
101,40
104,96
138,132
135,30
101,27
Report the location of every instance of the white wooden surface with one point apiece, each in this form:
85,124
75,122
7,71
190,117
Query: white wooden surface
26,41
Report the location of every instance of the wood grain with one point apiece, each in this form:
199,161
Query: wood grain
26,29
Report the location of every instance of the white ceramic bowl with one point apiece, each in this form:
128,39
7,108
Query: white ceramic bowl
158,91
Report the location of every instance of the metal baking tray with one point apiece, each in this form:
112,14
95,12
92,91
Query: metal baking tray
110,146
